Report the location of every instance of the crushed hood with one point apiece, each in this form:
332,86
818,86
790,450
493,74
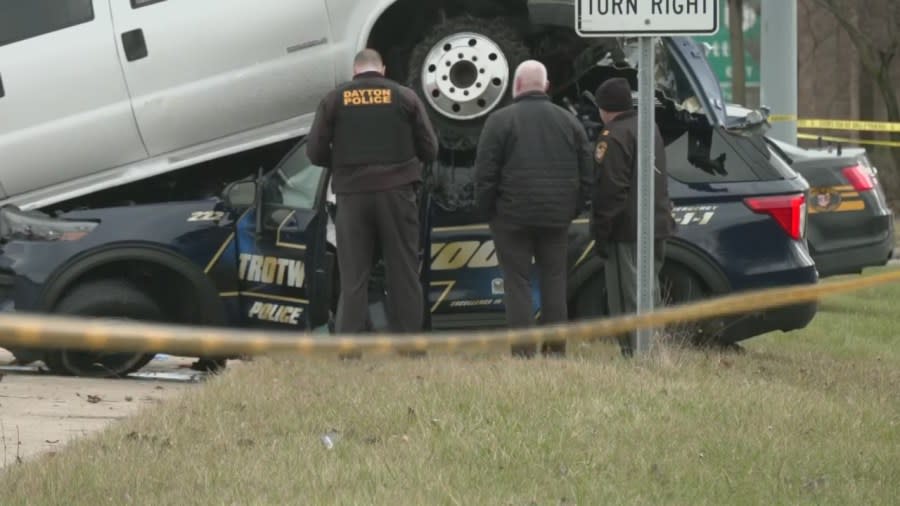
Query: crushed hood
683,74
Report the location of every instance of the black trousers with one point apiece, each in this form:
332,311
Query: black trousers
516,247
389,218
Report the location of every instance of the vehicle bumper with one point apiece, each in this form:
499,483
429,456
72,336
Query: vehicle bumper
785,319
854,259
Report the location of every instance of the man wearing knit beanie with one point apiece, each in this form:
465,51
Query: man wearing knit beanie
614,201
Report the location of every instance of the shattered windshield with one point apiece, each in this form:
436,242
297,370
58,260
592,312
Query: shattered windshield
623,54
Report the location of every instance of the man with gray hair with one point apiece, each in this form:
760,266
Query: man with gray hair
533,175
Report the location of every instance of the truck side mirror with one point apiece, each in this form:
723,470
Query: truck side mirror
241,195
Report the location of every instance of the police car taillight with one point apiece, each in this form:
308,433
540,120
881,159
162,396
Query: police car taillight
861,179
789,211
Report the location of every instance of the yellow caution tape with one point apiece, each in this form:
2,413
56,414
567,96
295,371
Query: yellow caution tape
838,124
844,140
59,332
778,118
854,126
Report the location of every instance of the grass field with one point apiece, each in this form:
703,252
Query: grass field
808,417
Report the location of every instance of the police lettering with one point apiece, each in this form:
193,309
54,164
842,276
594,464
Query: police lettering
276,313
367,96
272,271
456,255
668,7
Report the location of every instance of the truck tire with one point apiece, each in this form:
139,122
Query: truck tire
463,71
108,299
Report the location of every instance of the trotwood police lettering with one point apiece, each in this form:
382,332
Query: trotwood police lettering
272,271
367,96
657,7
469,254
276,313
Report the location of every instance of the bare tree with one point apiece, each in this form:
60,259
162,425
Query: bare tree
877,41
738,63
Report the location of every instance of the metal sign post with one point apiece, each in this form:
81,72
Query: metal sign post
646,19
646,274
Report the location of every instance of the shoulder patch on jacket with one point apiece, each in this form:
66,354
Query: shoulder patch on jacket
600,152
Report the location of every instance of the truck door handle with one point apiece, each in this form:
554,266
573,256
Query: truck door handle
2,91
134,45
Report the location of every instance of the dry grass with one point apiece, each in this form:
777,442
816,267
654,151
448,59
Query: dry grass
810,417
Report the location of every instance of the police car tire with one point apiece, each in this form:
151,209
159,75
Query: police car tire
109,299
463,135
680,286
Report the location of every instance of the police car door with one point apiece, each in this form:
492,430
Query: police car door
283,264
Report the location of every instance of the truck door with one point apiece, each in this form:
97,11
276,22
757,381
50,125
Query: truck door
284,268
201,70
64,108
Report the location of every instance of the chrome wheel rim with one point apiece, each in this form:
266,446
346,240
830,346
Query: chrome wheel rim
465,76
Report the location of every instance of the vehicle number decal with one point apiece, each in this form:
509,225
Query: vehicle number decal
702,215
202,216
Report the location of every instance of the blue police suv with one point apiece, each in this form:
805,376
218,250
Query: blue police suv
253,249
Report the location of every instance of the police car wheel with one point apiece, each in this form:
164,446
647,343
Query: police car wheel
678,285
464,71
106,299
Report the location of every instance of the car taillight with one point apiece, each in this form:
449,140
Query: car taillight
861,179
789,211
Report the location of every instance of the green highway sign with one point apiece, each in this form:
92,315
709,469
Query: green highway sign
720,46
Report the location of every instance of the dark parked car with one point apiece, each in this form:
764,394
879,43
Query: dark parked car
851,226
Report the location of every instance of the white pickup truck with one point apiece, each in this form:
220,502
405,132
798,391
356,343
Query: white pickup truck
95,94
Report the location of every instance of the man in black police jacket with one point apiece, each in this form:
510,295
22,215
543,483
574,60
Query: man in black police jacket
533,174
614,201
375,135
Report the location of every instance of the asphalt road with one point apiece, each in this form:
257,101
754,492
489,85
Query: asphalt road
40,413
